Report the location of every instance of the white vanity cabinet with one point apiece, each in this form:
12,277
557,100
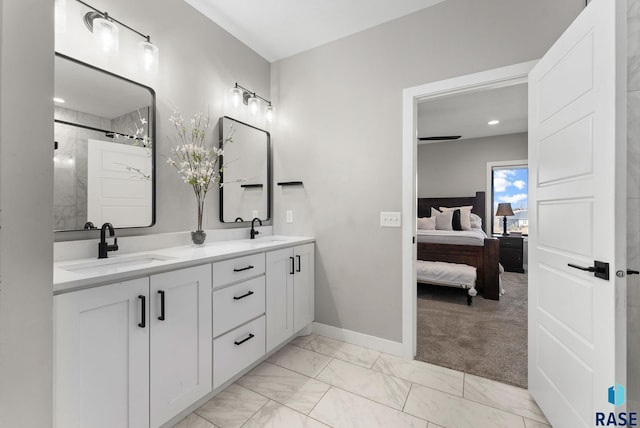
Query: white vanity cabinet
123,361
290,292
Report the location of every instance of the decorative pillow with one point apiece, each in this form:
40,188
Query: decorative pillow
427,223
444,221
476,221
435,212
455,220
465,215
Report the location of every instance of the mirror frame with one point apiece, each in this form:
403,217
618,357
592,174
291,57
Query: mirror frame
152,136
269,172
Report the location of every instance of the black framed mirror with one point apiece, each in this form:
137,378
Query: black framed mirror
246,176
104,151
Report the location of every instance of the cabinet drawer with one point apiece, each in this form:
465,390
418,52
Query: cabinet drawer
511,243
237,269
238,349
237,304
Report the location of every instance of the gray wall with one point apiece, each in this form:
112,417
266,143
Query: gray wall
459,168
339,130
26,201
633,206
199,64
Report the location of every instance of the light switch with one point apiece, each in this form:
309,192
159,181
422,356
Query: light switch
289,216
390,219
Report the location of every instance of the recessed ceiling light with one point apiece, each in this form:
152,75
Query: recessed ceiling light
58,100
493,122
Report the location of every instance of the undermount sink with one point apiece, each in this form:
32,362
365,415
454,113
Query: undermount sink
113,265
267,240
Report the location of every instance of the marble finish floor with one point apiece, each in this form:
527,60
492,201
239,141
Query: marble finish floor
315,381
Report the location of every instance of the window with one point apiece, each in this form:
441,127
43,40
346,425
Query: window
510,183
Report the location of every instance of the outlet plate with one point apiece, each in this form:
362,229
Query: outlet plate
289,216
390,219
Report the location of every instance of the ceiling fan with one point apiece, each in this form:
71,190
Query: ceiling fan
440,138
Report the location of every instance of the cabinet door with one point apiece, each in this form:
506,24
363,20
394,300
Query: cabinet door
303,289
102,356
279,309
180,342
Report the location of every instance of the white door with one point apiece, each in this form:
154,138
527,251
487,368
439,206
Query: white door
577,167
280,269
102,357
181,341
119,188
303,290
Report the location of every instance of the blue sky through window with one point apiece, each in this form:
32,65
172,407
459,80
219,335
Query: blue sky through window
511,185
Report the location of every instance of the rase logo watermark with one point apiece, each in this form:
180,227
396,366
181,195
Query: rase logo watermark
615,396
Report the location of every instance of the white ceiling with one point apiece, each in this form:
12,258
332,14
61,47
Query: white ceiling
467,114
276,29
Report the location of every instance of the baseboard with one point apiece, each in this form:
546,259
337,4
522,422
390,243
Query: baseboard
361,339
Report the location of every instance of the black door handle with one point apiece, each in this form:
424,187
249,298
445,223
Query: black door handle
240,270
243,296
599,269
292,265
161,293
632,272
251,336
143,312
299,264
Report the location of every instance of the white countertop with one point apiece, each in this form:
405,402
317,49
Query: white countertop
71,275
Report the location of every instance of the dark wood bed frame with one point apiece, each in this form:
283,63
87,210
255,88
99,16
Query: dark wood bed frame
485,258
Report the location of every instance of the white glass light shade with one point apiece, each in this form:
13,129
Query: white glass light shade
236,97
148,56
60,16
254,105
105,34
268,113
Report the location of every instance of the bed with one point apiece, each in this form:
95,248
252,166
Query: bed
481,252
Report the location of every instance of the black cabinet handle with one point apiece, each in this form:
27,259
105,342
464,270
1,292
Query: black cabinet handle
243,296
143,311
251,336
292,265
299,264
240,270
161,293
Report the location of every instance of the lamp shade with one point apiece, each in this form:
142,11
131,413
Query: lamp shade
148,56
504,209
105,33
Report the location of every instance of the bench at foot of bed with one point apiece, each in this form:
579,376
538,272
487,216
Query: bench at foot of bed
448,275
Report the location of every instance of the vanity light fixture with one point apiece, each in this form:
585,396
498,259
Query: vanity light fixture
240,94
105,32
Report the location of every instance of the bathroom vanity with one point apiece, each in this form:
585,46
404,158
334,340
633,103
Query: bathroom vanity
143,337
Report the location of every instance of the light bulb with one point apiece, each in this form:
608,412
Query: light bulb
254,105
236,96
268,113
105,33
148,56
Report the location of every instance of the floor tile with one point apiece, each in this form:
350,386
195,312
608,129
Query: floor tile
232,407
340,409
301,341
294,390
344,351
425,374
300,360
275,415
455,412
194,421
506,397
528,423
367,383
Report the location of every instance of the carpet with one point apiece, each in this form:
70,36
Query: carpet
488,338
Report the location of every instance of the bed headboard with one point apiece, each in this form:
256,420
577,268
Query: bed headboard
478,202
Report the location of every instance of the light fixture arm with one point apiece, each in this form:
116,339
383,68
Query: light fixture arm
110,18
252,93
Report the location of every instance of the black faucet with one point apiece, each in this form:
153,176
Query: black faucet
254,232
103,247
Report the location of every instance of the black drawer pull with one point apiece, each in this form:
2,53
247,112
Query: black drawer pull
243,296
161,293
240,270
251,336
143,306
292,265
299,264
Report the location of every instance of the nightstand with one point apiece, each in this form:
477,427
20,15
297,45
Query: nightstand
511,253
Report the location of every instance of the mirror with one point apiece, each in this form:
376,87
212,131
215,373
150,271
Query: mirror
104,157
246,176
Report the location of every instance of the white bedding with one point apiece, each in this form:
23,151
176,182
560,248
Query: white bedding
447,274
455,237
